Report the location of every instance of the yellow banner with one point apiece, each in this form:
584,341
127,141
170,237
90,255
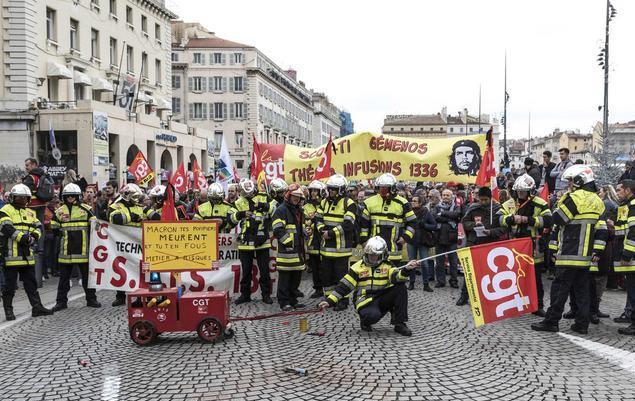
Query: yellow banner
465,260
366,156
180,246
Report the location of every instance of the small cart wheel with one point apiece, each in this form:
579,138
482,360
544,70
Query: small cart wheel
143,332
209,330
229,333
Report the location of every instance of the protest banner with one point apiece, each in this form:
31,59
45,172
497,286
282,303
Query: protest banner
500,279
141,170
366,156
115,263
180,245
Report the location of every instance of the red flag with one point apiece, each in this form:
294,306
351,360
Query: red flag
256,161
500,279
323,169
487,172
179,180
544,193
200,182
168,212
141,170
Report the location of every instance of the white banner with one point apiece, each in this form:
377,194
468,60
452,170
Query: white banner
115,258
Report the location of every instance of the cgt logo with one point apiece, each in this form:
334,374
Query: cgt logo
272,157
500,285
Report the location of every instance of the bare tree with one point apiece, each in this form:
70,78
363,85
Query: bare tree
609,168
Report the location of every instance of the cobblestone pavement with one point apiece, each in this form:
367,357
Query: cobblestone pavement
445,359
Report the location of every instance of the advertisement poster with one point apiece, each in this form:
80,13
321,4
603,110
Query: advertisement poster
100,139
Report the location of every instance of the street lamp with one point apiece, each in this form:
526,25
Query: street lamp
603,62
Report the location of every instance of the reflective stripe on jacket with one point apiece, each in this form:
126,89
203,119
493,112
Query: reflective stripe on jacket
75,232
288,228
538,217
628,253
14,225
337,217
216,211
254,231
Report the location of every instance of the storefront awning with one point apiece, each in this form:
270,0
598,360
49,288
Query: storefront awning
56,70
163,104
101,84
143,97
81,79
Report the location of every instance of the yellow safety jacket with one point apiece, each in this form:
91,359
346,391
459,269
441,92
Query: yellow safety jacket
120,213
599,242
538,216
75,232
216,211
15,224
628,253
313,242
254,231
288,228
366,282
389,219
577,215
337,217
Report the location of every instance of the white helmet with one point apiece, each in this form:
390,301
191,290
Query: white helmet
19,190
375,251
132,193
277,186
72,190
337,182
158,191
524,183
579,174
215,191
247,187
386,180
319,186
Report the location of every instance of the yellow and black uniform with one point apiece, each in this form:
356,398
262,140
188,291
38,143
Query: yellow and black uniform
390,218
313,243
288,228
125,213
538,216
154,213
216,211
376,291
576,216
336,218
72,222
253,242
627,263
20,229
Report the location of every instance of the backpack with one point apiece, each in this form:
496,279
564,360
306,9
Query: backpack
45,187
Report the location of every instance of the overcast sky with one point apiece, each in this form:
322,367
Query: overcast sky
374,58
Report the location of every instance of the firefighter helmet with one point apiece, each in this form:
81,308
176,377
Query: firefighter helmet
524,183
375,251
579,174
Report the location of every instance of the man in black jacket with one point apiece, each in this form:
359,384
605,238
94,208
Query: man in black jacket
545,172
447,214
532,169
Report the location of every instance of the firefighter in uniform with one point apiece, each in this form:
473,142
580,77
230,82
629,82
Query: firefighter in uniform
277,189
576,216
126,211
216,208
529,215
253,213
20,230
626,263
317,192
335,220
389,216
72,220
157,196
378,288
289,229
621,228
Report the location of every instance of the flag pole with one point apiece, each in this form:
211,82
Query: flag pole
114,96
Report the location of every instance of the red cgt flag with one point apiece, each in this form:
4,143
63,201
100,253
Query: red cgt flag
141,170
168,212
487,172
323,170
179,179
200,182
500,279
256,161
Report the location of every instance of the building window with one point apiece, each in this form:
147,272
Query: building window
218,84
175,57
113,7
238,84
144,65
94,5
412,129
74,35
94,43
129,15
157,32
218,58
113,51
198,110
50,24
239,110
392,129
471,129
238,58
129,59
198,58
239,164
144,25
198,86
157,71
176,82
239,139
218,111
176,105
451,129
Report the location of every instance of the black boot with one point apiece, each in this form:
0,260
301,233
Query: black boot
119,301
317,294
242,299
93,303
463,300
267,299
540,312
7,302
365,327
411,286
628,331
594,318
39,310
426,288
402,329
568,315
545,326
579,329
59,306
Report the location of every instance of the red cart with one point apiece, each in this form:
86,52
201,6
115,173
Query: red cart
151,313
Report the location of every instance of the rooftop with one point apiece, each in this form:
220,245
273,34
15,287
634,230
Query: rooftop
213,43
421,119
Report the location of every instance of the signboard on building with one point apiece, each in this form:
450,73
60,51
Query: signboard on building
210,156
126,91
165,139
100,139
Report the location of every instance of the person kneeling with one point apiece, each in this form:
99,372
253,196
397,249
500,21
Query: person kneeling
378,288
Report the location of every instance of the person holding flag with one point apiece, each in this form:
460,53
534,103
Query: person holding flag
529,216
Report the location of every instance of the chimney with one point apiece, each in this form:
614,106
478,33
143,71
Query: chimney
291,73
464,116
444,114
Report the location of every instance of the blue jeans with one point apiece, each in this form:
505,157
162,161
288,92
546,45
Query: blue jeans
422,251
